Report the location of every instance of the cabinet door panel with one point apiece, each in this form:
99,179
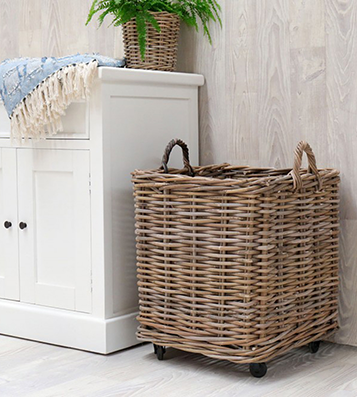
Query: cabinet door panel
55,254
9,265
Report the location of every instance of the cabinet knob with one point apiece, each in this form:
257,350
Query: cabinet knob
7,225
22,225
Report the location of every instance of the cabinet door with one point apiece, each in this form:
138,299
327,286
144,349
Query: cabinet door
55,245
9,262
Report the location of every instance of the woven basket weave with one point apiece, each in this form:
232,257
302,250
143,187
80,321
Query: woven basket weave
237,263
161,47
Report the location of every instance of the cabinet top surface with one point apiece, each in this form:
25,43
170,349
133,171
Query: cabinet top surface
75,122
149,76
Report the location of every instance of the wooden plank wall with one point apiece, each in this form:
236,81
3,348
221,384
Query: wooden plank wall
53,28
278,71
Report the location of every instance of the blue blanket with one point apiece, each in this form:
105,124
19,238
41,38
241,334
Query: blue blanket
19,77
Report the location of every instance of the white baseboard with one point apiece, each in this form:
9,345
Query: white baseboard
65,328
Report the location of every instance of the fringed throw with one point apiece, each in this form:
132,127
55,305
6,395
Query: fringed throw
36,92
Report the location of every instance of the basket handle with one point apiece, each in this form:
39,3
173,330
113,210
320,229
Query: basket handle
185,155
299,151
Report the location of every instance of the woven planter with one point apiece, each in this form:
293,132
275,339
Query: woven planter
237,263
161,47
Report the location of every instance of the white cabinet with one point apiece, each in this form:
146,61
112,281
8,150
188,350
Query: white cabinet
67,257
9,252
45,233
55,245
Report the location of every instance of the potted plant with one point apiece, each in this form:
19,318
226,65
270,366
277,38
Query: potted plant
151,27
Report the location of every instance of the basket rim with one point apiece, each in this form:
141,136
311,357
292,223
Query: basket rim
281,173
163,14
239,185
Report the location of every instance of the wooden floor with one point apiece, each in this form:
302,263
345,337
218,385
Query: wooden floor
30,369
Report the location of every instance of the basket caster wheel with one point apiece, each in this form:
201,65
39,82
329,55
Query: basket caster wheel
159,351
314,347
258,370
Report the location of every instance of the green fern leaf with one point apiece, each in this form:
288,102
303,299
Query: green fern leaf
141,29
190,12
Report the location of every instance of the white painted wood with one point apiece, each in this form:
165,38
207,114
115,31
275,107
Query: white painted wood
75,122
4,123
58,144
100,261
150,77
9,264
132,142
67,328
54,201
74,274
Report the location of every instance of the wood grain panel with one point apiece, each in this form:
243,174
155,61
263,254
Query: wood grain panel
274,91
53,26
198,54
308,75
308,99
37,28
290,75
307,23
341,84
348,285
30,32
73,15
341,58
242,83
100,39
9,24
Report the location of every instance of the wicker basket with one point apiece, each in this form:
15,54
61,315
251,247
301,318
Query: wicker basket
237,263
161,47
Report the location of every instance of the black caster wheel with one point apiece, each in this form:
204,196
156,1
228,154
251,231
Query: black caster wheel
258,370
159,351
314,347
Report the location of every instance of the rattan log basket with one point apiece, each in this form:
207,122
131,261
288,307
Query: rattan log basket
161,47
237,263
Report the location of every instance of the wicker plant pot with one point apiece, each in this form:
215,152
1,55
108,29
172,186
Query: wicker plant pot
161,47
237,263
